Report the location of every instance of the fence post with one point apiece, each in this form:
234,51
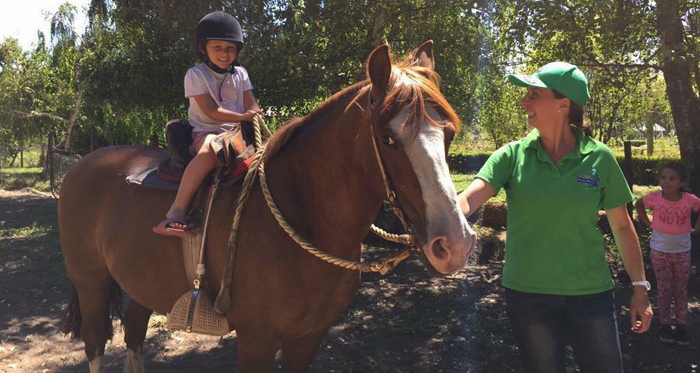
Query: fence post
650,133
627,170
154,141
49,157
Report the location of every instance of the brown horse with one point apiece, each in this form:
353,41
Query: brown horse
325,178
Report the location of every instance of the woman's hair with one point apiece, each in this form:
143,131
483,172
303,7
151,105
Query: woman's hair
680,169
575,114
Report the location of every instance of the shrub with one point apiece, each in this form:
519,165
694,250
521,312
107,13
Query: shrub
467,163
644,168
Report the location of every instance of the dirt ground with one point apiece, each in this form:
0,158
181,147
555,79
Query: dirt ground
404,322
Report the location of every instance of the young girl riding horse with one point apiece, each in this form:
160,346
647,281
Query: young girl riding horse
221,97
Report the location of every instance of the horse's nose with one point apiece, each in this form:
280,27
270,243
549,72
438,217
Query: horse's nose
439,249
449,255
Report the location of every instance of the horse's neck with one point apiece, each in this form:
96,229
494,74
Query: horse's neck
331,179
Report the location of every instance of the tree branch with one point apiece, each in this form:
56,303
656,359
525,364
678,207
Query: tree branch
34,114
620,65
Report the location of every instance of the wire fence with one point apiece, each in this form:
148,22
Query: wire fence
59,162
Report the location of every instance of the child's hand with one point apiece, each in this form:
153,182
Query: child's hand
695,231
250,114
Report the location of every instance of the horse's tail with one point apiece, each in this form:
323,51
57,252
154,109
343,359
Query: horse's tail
73,320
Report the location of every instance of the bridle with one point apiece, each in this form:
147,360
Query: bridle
391,197
257,168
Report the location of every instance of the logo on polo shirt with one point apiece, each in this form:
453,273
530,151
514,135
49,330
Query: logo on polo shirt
589,177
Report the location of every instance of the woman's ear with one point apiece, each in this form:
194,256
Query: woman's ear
564,105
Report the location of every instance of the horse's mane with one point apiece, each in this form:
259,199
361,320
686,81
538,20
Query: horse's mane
410,86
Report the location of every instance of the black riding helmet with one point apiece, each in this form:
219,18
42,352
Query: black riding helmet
219,26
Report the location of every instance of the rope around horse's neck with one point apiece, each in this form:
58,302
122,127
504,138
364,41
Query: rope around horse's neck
257,167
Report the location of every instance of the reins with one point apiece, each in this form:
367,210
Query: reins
257,168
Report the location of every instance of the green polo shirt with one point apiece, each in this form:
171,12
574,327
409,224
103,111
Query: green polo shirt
553,245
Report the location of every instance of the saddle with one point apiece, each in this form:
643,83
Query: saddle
234,151
178,137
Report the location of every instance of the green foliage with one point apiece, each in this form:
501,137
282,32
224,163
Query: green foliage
123,75
462,180
469,162
19,178
645,168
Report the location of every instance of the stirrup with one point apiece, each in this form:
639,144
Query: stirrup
193,312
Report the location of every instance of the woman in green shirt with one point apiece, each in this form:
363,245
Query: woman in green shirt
558,284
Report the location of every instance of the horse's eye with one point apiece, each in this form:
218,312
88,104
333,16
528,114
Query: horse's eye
388,141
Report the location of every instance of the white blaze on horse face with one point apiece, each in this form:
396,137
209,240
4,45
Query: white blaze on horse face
449,237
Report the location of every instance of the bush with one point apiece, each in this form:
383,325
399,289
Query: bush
644,168
467,163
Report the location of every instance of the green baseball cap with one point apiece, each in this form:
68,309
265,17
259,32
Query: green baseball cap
562,77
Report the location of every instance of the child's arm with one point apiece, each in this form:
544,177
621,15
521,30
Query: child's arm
697,227
214,111
642,212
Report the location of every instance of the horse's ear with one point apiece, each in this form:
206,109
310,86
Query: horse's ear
379,69
424,55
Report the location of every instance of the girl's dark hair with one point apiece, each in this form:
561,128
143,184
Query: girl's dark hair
575,114
680,169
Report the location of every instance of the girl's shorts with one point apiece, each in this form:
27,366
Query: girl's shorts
199,136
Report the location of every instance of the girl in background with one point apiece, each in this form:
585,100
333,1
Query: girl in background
670,247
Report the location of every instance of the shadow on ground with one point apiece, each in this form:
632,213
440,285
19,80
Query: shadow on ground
403,322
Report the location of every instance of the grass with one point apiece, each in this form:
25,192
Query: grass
19,178
32,158
462,181
33,230
640,191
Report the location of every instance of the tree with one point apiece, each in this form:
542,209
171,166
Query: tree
677,64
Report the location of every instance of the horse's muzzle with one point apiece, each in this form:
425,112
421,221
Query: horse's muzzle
447,254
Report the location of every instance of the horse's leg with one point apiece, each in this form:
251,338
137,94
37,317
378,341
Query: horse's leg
297,354
96,322
135,326
256,351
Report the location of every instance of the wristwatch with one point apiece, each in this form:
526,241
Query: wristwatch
644,283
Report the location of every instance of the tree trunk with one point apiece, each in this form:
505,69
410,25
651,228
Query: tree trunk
374,34
685,105
73,121
13,159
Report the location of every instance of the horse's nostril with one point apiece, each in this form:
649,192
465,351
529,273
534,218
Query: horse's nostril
438,249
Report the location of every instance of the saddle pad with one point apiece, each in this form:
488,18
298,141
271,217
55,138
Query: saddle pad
150,179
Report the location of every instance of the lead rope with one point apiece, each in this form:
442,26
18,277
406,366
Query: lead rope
257,167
